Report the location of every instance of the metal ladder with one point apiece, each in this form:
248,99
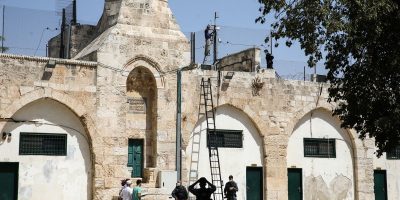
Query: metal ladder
195,155
212,150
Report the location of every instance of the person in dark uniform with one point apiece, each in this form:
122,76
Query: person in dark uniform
230,189
270,60
202,193
208,34
180,192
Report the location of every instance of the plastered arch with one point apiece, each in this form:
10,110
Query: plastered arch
325,107
258,123
252,153
74,105
355,144
144,61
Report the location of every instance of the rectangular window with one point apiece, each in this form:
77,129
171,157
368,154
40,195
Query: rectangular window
319,147
43,144
393,154
225,138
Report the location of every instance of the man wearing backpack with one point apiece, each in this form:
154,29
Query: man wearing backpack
230,189
180,192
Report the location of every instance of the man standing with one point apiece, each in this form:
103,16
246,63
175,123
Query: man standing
230,189
137,191
180,192
202,193
126,193
208,34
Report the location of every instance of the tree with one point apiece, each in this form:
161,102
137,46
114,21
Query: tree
3,49
361,41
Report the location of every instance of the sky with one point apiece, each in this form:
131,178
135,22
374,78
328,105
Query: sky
236,19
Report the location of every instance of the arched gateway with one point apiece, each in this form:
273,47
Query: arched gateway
240,151
48,145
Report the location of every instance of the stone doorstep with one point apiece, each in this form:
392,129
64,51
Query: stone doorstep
153,193
150,185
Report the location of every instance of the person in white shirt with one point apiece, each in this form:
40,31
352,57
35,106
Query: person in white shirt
126,193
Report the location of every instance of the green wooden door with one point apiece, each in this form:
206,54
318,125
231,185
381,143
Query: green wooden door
380,185
8,181
254,183
135,157
295,188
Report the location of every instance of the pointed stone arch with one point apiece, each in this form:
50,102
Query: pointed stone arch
230,117
141,114
76,108
325,107
258,123
73,104
146,62
359,148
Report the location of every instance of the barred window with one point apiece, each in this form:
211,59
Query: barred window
43,144
225,138
319,147
393,154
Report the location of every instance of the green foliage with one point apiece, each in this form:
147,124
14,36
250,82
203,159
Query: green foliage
361,40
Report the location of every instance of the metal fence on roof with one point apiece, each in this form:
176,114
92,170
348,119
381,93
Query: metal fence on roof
235,39
27,32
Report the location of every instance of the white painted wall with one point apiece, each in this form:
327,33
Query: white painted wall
333,171
392,168
50,177
233,160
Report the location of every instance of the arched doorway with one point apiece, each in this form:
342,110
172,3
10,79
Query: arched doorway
141,118
320,159
241,153
49,144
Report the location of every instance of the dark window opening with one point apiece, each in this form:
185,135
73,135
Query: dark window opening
225,138
319,147
43,144
393,154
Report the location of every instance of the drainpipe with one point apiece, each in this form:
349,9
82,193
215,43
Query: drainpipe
178,163
178,153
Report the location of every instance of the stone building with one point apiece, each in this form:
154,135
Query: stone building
73,128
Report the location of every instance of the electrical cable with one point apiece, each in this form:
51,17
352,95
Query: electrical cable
40,40
46,123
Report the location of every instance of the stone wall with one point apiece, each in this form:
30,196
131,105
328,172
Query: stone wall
275,109
245,61
142,34
81,36
98,96
53,47
20,75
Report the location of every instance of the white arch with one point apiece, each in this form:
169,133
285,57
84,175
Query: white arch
252,153
323,176
43,177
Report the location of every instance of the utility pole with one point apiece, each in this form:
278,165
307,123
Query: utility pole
73,12
270,36
2,32
215,38
192,48
62,50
